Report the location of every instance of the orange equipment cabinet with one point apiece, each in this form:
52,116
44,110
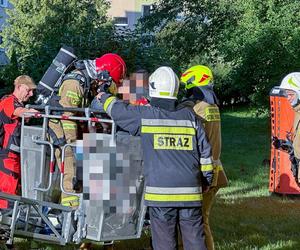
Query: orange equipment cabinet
281,179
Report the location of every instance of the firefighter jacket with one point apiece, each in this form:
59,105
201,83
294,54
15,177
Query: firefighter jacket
176,154
209,115
65,131
71,93
70,96
296,140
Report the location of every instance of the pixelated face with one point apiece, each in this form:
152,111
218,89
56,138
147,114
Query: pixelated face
134,88
110,171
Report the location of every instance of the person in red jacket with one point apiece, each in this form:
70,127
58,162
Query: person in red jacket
11,109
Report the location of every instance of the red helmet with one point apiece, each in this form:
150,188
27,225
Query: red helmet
114,64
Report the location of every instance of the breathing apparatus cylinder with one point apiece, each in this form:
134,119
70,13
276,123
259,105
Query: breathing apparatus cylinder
53,76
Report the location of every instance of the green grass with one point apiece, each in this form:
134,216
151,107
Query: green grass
245,215
246,144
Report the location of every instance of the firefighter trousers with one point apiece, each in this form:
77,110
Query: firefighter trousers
164,222
67,130
208,200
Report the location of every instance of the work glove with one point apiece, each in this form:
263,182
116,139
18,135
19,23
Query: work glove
276,142
96,104
104,87
294,165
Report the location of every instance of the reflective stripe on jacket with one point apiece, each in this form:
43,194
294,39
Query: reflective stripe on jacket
174,146
209,115
71,93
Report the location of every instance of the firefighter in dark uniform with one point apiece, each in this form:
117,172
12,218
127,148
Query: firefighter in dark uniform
198,81
177,160
11,109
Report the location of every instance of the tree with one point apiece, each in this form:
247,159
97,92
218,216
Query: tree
250,45
264,46
38,28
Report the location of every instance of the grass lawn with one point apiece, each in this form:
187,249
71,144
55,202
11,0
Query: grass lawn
245,215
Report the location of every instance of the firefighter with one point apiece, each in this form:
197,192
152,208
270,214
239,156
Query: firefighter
11,109
291,86
177,160
198,82
71,94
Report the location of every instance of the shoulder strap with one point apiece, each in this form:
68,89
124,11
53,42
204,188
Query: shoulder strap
75,76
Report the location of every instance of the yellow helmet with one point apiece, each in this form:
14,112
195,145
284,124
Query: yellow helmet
197,76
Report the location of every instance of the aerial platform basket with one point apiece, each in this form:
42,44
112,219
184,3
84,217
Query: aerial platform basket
111,202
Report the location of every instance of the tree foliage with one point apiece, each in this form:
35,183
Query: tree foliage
38,28
250,45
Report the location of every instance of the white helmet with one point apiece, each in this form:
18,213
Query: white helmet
163,83
292,82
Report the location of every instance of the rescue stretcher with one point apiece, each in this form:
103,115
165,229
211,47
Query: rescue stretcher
111,202
281,179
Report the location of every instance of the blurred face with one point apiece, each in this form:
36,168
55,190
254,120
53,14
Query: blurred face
24,92
291,96
134,88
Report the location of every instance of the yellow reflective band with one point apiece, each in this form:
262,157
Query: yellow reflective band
75,98
207,167
219,168
173,197
108,101
68,126
70,201
168,130
166,94
75,102
73,95
70,198
70,204
176,142
212,114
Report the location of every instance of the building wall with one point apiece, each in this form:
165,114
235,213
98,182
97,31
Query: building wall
132,9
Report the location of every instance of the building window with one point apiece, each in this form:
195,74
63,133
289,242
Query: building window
146,10
121,21
3,3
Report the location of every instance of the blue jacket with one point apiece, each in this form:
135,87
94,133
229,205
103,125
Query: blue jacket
176,154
